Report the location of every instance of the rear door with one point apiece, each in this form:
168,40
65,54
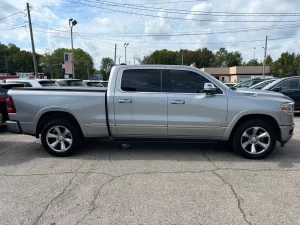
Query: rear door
192,113
140,105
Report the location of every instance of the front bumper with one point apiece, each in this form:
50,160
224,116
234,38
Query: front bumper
286,133
13,127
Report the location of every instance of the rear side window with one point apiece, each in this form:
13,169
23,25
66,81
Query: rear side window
26,84
187,81
294,84
94,84
141,80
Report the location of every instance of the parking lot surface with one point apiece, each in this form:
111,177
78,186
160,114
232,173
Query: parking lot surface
150,183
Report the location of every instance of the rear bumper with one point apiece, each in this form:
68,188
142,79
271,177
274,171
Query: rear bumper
13,127
1,119
286,133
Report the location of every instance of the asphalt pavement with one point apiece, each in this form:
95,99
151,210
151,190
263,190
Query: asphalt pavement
150,183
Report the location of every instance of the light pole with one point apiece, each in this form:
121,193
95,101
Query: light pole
72,23
125,45
254,53
119,60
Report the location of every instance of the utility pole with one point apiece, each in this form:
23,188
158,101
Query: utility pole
134,60
115,61
32,42
6,66
119,60
265,55
72,23
88,71
254,53
125,45
129,62
182,59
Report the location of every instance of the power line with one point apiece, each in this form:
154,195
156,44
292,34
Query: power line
280,27
12,28
10,15
189,19
194,12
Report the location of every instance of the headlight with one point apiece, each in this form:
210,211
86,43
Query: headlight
288,108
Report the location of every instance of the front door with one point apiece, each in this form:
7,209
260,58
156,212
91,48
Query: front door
192,113
140,106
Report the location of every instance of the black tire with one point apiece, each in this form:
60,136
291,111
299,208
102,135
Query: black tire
74,131
237,139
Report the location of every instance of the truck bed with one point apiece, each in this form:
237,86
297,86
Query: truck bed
87,105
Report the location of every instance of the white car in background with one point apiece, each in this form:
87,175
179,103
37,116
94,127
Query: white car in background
70,82
33,82
230,84
93,83
262,84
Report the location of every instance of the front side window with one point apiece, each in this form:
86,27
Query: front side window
48,84
141,80
183,81
294,84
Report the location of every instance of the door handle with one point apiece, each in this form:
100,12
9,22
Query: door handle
177,102
125,101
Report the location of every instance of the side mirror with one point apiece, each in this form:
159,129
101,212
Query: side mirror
209,88
277,89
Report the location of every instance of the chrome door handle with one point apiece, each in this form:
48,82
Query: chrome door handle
125,101
177,102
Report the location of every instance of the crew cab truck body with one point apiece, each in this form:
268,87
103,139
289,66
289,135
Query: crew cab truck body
153,102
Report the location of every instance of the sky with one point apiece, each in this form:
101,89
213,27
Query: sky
149,25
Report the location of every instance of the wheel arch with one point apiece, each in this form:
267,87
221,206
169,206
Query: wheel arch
48,114
256,116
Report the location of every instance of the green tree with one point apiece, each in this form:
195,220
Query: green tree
83,63
286,65
227,59
163,56
253,62
106,66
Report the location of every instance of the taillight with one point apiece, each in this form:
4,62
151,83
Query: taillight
10,106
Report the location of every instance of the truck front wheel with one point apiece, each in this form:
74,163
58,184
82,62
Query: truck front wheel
254,139
61,137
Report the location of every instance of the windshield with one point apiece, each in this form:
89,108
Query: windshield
94,84
48,83
104,83
75,83
262,84
272,84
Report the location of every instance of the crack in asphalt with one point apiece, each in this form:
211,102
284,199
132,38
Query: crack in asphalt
92,205
237,197
56,197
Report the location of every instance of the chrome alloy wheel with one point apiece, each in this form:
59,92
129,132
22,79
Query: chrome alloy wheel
255,140
59,138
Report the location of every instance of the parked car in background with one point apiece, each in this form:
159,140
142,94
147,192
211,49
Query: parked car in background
93,83
4,87
104,83
153,102
33,82
262,84
230,84
70,82
249,83
288,86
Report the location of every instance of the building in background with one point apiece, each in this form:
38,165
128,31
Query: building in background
237,73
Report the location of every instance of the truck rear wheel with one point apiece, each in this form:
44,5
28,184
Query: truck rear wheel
61,137
254,139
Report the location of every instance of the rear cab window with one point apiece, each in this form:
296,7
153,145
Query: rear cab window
75,83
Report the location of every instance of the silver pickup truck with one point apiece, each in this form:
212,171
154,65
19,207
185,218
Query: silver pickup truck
153,102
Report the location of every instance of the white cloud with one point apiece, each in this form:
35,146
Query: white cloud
106,23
